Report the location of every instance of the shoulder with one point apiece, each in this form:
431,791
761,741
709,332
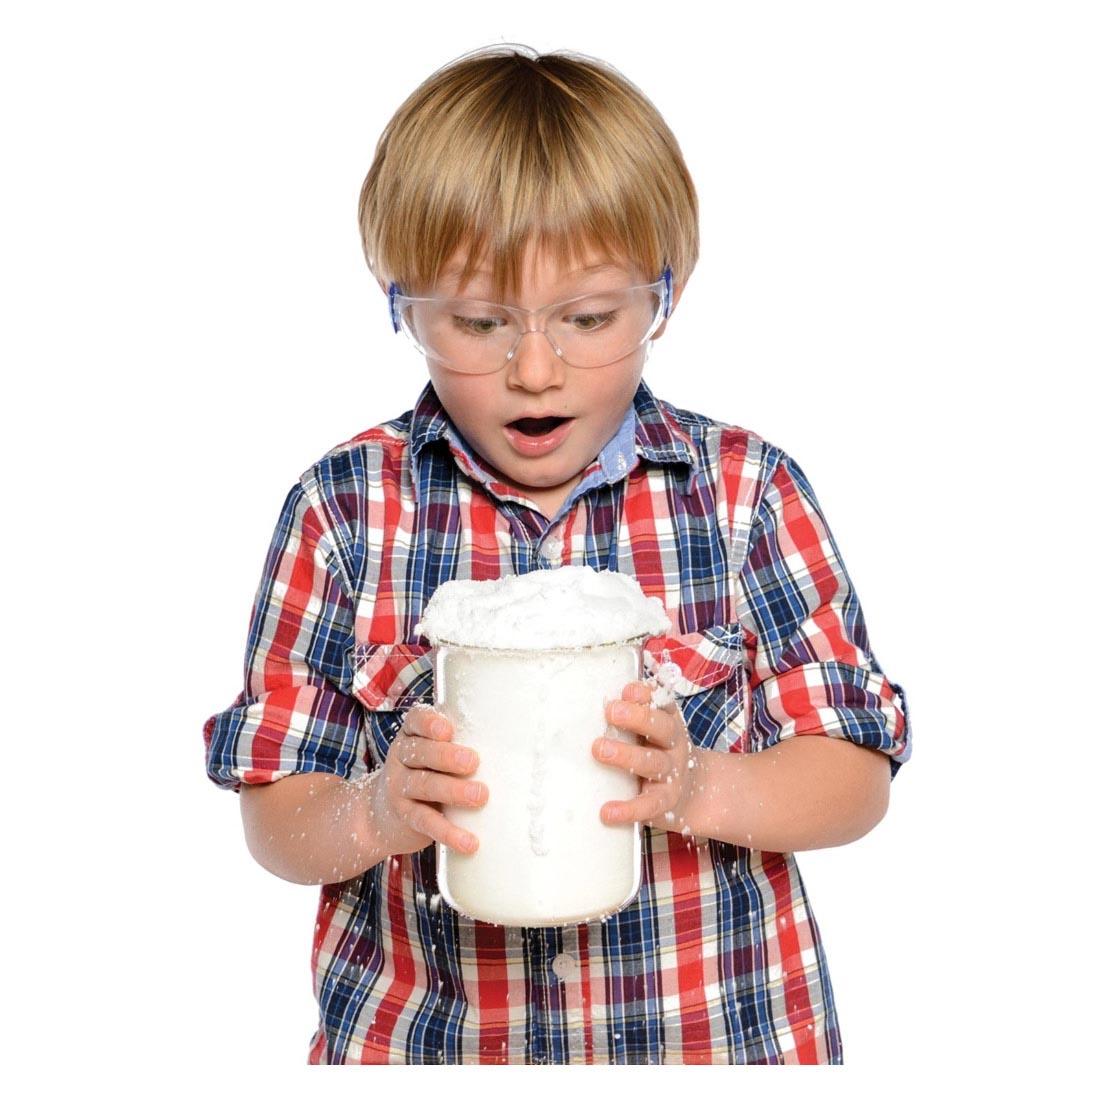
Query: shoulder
726,451
386,441
348,487
372,456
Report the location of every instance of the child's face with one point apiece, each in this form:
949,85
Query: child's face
538,383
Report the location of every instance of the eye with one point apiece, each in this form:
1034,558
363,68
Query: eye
475,318
477,326
590,322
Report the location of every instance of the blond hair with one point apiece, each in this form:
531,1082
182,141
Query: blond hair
504,148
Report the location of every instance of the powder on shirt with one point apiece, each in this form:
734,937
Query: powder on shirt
551,608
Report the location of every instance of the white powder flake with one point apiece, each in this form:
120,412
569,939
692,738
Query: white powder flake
665,677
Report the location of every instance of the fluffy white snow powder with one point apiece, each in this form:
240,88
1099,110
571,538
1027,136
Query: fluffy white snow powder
549,608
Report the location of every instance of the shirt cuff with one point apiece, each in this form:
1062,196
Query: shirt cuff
283,732
837,700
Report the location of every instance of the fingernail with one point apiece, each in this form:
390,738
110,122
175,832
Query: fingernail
469,843
465,758
614,814
620,711
473,791
605,750
439,727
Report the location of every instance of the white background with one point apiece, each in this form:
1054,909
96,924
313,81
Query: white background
897,284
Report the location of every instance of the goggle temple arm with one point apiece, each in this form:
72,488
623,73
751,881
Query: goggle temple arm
393,292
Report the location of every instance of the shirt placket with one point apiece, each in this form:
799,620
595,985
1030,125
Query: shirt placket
566,970
552,546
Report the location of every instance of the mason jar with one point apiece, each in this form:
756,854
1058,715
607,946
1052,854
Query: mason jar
545,856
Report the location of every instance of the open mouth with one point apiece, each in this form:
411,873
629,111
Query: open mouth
542,425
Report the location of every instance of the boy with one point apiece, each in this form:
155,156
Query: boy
533,225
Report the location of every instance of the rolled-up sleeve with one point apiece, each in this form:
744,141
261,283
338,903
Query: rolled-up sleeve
810,662
296,712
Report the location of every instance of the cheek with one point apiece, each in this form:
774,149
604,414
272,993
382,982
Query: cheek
464,401
615,390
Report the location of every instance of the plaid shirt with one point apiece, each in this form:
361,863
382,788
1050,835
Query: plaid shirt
718,959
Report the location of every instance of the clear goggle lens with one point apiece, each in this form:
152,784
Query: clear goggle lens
479,337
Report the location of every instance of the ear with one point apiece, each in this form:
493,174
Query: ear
676,292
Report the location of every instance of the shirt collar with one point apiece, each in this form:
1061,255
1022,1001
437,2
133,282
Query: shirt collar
660,438
657,437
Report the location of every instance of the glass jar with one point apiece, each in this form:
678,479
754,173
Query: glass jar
545,856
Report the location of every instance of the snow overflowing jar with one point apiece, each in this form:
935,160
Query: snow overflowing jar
523,668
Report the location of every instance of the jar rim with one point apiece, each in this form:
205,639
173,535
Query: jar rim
637,640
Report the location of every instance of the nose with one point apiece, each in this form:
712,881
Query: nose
535,365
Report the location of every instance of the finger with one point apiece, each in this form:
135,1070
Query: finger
646,806
650,763
431,822
422,720
637,691
431,786
654,724
440,756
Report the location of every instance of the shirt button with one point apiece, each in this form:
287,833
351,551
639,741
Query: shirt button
564,965
551,549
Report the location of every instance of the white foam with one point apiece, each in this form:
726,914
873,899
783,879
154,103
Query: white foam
550,608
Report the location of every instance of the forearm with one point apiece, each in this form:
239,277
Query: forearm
807,792
312,828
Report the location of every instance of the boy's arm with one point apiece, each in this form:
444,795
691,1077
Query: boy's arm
807,792
294,743
828,731
312,828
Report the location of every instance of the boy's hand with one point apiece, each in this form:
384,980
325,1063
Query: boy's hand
417,777
667,765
